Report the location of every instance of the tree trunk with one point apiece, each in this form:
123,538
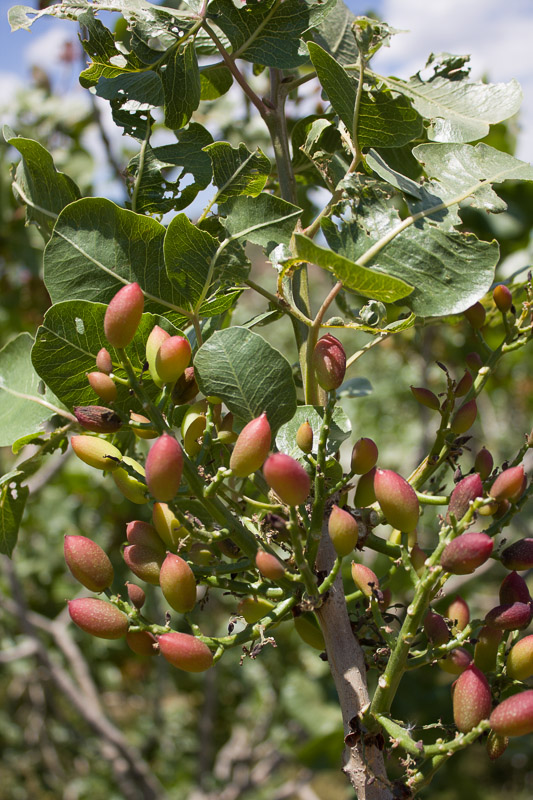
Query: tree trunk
363,762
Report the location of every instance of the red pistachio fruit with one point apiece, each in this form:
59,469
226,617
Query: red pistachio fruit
98,618
514,589
456,661
144,562
510,617
96,452
343,531
476,315
103,361
172,358
484,463
164,466
426,397
251,448
178,584
269,566
519,555
185,652
471,699
466,553
364,492
467,490
364,456
123,315
397,500
464,418
503,299
137,596
304,437
88,563
142,642
103,386
514,716
155,339
508,483
365,579
464,385
459,613
139,532
435,628
486,650
329,362
97,419
287,478
520,659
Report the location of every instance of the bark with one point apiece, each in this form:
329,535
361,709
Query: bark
363,763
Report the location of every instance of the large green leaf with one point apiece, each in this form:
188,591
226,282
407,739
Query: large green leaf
107,60
270,33
459,110
265,220
237,171
155,188
25,403
13,498
366,282
214,82
97,247
384,120
340,430
248,374
38,184
135,91
66,345
181,85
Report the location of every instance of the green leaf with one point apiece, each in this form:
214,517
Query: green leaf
384,120
237,171
248,374
97,247
181,85
25,403
335,35
214,82
38,184
265,220
65,350
269,33
136,91
340,430
366,282
401,182
154,188
459,110
107,60
12,502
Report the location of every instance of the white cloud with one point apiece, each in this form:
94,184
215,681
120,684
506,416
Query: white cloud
497,35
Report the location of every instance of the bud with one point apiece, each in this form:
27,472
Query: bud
467,490
365,579
397,500
503,299
167,526
435,628
97,419
178,584
142,642
510,617
484,463
309,631
514,590
155,339
459,613
136,595
520,660
251,447
329,362
123,315
98,618
426,397
193,426
287,478
518,555
486,650
138,532
142,433
342,529
466,553
464,385
185,652
418,559
88,563
133,490
164,465
514,716
474,362
186,388
456,661
96,452
269,566
496,745
472,700
508,483
304,437
464,418
103,386
103,361
172,358
364,456
364,493
254,608
144,562
476,315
